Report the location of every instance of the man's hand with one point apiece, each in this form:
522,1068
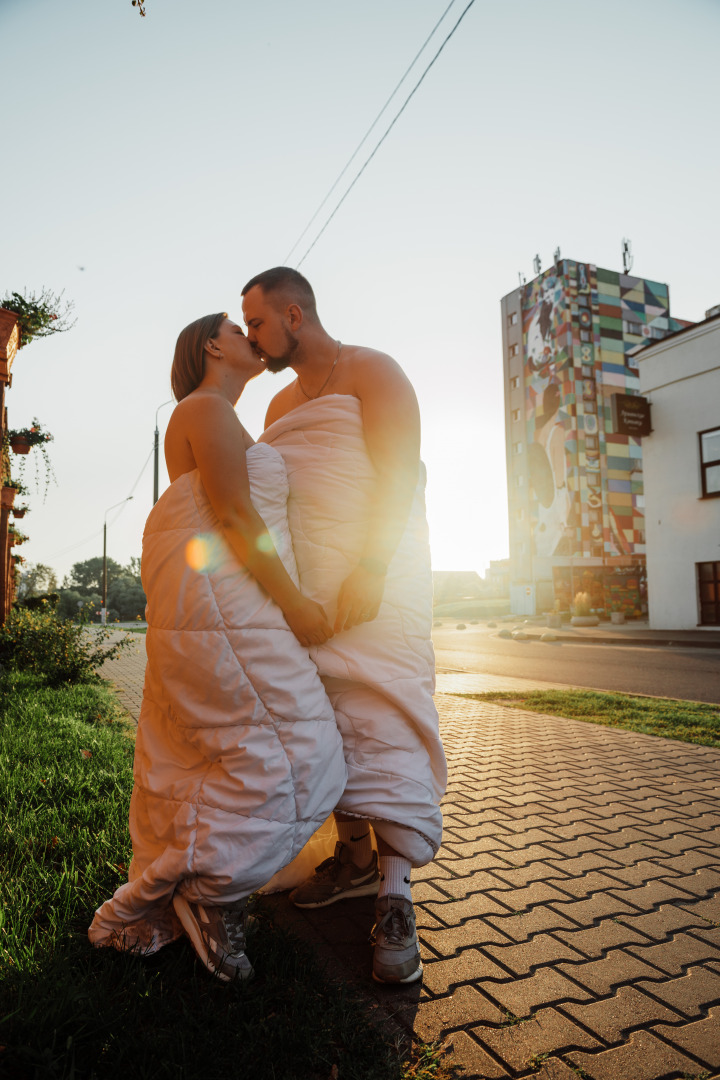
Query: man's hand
359,599
309,623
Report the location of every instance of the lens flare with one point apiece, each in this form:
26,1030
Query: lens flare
197,554
264,543
204,553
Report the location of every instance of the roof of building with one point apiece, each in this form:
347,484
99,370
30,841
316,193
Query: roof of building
638,349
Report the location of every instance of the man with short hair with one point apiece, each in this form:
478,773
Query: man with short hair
348,428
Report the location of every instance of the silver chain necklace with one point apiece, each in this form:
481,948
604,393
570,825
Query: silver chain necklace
311,397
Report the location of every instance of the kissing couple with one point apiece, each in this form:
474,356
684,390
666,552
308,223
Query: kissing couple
290,668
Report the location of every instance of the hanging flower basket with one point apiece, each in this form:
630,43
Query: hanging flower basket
7,494
20,444
19,511
9,341
38,314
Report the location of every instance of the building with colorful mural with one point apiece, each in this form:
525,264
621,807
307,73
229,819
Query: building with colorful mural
575,480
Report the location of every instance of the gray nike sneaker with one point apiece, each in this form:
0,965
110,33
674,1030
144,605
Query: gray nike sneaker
396,957
337,878
218,936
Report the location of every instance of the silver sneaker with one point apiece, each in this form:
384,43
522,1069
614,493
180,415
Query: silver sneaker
396,957
217,935
337,878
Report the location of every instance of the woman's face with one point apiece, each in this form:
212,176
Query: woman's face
236,349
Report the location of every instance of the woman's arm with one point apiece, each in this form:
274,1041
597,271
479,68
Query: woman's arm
215,437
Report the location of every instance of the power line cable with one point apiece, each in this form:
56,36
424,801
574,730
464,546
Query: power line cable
132,489
369,131
384,137
98,532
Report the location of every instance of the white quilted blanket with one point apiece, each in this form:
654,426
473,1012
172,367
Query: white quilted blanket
238,757
380,676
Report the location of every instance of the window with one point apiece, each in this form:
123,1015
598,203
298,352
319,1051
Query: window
520,514
515,382
512,318
709,591
710,462
519,480
515,415
513,350
517,447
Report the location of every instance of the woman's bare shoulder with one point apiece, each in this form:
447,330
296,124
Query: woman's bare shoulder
200,407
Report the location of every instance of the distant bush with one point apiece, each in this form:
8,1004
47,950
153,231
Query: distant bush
37,603
61,652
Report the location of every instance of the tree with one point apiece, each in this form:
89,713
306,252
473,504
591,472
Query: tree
35,580
126,598
87,576
72,605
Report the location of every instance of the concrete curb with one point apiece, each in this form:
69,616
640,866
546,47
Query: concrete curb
586,639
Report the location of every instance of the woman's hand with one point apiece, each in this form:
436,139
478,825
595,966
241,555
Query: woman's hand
308,622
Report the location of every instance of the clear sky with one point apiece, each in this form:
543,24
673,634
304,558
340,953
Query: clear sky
174,156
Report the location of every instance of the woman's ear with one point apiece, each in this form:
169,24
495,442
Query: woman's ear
213,349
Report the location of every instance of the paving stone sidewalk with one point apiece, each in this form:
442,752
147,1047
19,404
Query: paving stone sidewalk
570,925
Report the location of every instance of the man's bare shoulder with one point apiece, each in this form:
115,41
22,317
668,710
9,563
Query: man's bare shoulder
366,367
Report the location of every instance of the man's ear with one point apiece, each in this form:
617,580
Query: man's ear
294,316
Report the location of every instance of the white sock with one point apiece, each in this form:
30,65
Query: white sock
394,876
357,836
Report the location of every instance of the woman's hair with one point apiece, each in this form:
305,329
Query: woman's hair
189,361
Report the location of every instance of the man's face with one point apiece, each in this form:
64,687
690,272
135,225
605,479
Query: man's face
267,330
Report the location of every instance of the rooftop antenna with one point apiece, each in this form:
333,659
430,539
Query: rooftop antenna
521,277
556,254
628,258
537,265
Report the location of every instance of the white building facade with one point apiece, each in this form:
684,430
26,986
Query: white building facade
681,378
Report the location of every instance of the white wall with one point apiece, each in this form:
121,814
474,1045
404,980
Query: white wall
681,378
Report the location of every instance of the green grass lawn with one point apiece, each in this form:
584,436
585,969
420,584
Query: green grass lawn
70,1012
688,721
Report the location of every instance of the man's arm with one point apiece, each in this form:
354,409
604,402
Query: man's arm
391,423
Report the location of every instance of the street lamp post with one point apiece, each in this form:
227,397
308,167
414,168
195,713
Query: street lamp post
103,609
156,445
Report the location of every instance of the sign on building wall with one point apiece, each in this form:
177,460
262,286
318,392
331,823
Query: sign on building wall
630,415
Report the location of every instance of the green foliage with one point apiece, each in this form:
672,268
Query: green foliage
78,607
36,580
38,438
39,315
37,603
73,1011
61,652
87,576
125,596
21,489
35,434
688,721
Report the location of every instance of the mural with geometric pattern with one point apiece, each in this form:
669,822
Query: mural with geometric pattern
580,323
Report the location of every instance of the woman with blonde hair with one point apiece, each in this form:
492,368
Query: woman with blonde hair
238,758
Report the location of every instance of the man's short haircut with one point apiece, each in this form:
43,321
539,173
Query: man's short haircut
286,285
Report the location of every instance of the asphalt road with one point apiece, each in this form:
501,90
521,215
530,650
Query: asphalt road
662,670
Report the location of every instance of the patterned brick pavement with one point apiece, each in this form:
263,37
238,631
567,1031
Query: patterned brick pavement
570,925
127,673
